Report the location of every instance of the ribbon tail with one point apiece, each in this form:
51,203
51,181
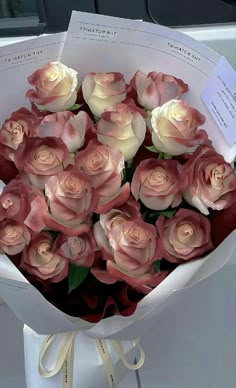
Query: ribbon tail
67,368
107,362
117,345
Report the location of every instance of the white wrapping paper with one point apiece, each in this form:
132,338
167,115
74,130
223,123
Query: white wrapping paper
17,62
88,370
102,43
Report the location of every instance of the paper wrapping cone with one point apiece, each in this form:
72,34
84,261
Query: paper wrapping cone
102,43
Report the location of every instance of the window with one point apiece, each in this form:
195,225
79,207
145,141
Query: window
21,17
17,8
34,17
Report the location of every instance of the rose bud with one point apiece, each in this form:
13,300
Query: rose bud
211,181
66,126
40,158
133,247
156,89
41,260
185,236
13,237
78,249
14,130
55,87
101,90
175,128
122,127
104,165
71,198
158,183
23,203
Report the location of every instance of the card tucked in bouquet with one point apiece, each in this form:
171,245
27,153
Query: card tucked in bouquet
123,228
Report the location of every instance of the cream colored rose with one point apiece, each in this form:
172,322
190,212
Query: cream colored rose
55,87
122,127
175,128
101,90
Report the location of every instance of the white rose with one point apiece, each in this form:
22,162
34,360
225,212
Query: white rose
101,90
55,87
122,127
175,128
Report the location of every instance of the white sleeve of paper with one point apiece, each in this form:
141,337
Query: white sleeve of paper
22,298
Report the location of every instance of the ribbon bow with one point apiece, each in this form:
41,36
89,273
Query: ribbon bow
64,360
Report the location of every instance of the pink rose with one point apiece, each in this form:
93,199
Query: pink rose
134,246
122,127
78,249
103,166
185,236
158,183
39,158
130,208
42,261
116,216
14,130
101,90
66,126
23,203
55,87
13,237
71,198
211,181
155,88
175,128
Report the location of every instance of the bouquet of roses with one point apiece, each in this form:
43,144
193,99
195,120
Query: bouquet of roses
109,186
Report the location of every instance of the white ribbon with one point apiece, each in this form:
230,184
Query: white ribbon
107,361
64,360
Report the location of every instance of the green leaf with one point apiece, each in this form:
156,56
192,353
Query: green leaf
72,156
96,119
129,163
129,172
168,213
124,176
165,213
153,149
77,275
157,265
53,233
75,107
160,156
167,156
